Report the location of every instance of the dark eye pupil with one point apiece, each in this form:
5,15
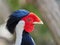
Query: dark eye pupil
29,19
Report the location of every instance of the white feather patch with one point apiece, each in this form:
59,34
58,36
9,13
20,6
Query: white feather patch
5,33
19,31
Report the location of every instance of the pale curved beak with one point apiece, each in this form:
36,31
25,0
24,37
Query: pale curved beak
38,22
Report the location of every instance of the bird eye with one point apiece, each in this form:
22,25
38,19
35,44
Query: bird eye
28,19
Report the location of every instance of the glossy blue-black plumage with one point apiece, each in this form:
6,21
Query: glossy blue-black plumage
20,13
27,39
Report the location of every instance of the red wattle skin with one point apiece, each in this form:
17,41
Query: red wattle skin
29,19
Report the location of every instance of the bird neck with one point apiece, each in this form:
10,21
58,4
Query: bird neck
19,32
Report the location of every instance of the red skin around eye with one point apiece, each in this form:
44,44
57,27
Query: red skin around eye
29,27
29,19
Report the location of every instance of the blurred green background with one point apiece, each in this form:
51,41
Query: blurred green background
41,34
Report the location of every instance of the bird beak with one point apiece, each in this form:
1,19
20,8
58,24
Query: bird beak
38,22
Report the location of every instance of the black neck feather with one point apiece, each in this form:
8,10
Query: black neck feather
11,23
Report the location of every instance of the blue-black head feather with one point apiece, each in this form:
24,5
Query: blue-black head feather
20,13
14,18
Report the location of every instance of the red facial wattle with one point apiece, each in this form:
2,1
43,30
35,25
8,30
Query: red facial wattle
29,19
